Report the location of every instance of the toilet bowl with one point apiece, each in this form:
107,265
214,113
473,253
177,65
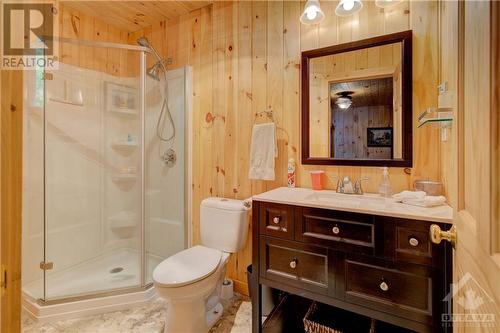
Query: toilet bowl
190,281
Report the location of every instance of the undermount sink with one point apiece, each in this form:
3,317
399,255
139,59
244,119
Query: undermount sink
351,200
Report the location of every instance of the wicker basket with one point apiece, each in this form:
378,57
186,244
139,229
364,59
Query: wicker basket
322,319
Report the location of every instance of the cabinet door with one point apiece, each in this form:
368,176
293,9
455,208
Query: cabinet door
276,220
295,264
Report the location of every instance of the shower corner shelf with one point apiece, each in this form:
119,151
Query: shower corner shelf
126,146
124,112
124,177
123,224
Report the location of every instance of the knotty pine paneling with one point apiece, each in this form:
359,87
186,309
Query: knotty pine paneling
11,159
246,58
76,25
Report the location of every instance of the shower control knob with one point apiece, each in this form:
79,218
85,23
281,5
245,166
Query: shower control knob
169,157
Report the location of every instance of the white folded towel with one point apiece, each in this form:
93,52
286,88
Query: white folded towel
427,201
399,197
263,151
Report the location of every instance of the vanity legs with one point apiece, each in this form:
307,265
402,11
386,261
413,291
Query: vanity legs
256,307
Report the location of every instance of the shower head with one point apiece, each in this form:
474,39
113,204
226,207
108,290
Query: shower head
154,71
143,41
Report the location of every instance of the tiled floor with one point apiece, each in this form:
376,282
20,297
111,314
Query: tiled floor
147,319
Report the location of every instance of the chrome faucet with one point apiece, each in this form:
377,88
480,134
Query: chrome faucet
344,185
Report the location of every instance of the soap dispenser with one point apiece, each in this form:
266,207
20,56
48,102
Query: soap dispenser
385,188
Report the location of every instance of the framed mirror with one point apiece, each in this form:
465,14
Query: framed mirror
357,103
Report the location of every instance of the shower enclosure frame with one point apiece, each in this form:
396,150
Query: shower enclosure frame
187,173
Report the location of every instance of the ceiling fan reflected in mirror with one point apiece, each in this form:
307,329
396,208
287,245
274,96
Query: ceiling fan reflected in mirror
344,99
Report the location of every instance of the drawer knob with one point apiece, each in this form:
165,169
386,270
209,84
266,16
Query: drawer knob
413,241
293,263
336,230
276,219
384,286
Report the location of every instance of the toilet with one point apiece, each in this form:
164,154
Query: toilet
190,281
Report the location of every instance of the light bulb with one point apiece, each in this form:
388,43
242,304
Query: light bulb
311,13
348,5
343,102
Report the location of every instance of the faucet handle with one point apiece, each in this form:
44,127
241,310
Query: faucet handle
340,185
358,189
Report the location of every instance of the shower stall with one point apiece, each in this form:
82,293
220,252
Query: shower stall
104,198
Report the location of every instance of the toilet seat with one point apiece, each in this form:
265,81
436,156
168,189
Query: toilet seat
187,267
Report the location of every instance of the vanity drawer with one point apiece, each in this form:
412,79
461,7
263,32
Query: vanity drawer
276,220
339,230
295,264
413,245
407,292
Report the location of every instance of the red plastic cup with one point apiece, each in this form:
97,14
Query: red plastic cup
317,179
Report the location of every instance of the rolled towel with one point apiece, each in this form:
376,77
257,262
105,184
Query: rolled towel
428,201
399,197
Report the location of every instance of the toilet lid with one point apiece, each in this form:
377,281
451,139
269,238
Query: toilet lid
187,266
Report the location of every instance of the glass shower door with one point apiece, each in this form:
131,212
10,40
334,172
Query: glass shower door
93,129
166,167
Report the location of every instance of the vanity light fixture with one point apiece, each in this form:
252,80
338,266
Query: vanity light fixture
344,102
386,3
348,7
312,13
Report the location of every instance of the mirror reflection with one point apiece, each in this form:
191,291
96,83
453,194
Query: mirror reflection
355,104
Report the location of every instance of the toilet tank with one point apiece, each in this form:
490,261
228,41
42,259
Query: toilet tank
223,224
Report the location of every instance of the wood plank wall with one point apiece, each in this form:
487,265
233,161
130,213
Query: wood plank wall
246,58
11,143
75,25
448,72
351,137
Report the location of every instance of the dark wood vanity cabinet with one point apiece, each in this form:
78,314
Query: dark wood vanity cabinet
382,267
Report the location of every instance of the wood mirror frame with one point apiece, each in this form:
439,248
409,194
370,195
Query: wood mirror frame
405,38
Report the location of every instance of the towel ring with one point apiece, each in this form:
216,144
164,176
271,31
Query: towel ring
268,113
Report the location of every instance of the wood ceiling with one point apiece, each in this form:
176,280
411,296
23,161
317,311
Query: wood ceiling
370,92
134,15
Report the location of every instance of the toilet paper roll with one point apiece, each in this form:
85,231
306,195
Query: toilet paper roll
227,289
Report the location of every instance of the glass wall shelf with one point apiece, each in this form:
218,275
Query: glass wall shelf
438,121
442,118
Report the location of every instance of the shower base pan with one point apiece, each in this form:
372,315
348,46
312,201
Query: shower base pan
115,274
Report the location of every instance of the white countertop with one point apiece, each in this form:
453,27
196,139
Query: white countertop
366,203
